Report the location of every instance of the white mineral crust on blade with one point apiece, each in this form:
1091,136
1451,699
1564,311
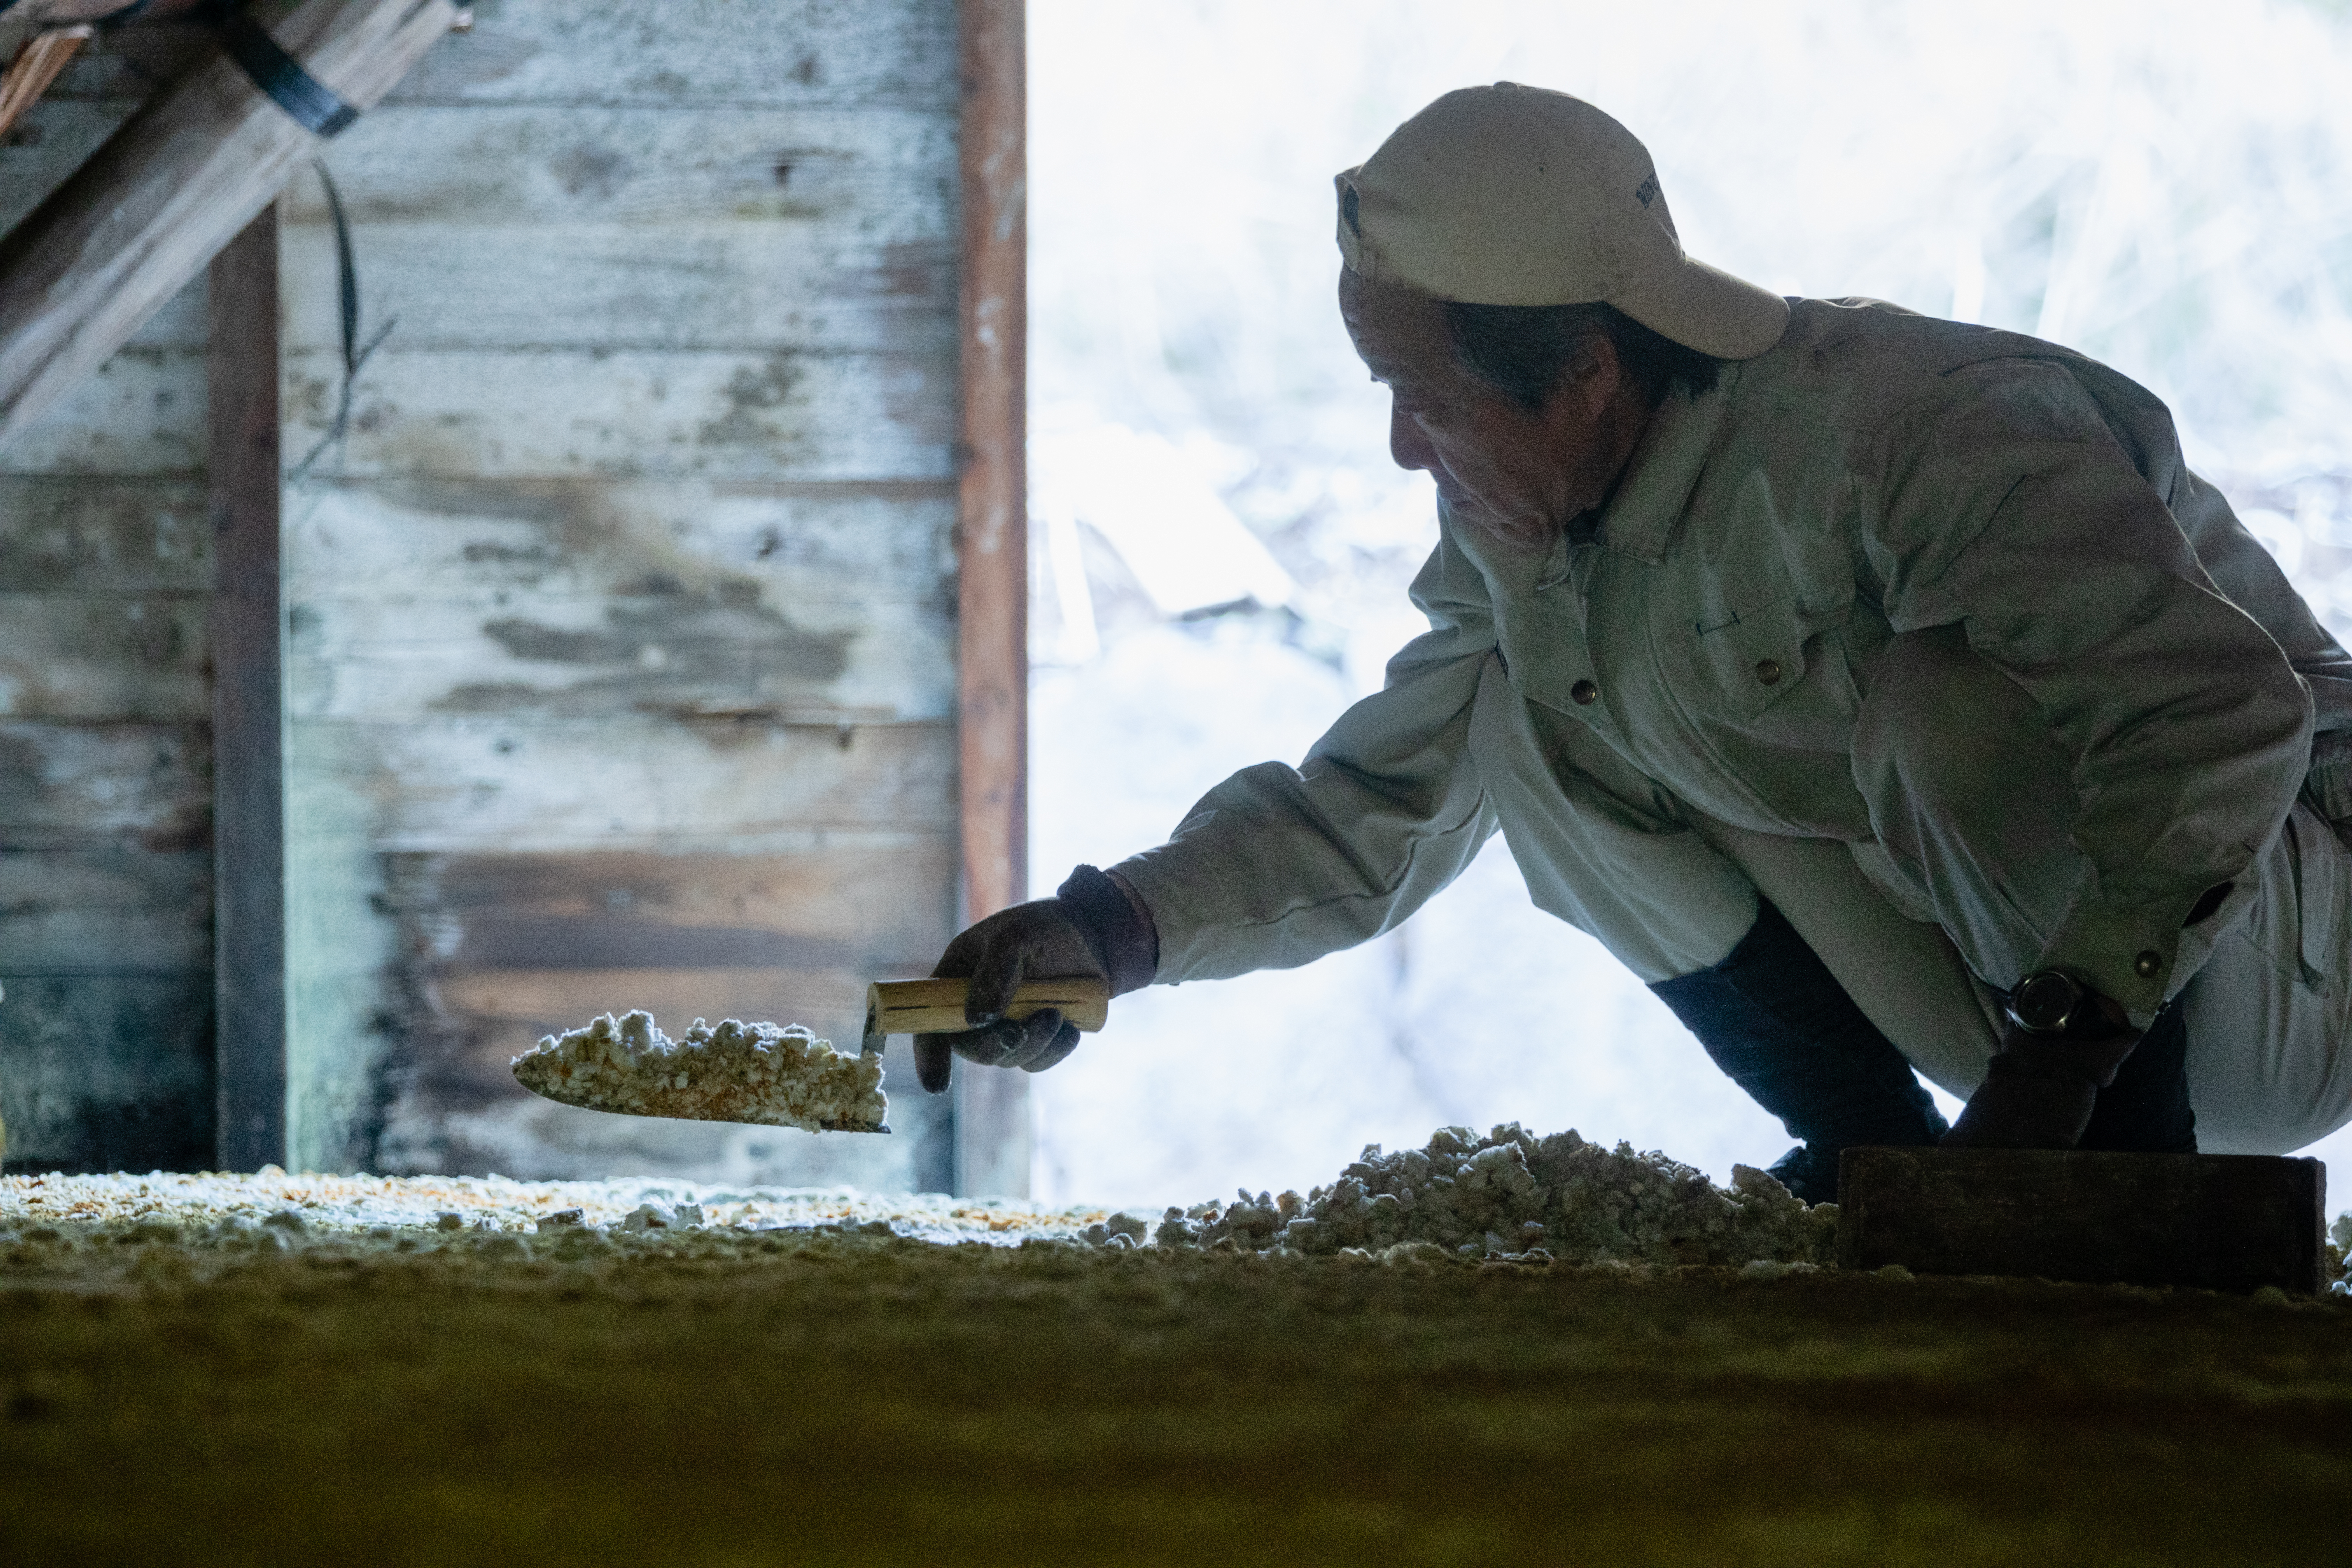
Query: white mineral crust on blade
775,1074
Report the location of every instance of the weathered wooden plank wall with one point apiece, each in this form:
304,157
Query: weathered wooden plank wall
622,624
106,864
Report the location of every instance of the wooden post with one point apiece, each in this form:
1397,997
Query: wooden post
248,707
991,1109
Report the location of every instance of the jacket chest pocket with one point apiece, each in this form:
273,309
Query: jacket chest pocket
1544,658
1763,657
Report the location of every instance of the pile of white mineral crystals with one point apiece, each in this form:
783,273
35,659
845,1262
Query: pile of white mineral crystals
775,1074
1513,1194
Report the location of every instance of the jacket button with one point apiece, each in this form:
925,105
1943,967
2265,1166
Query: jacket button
1585,693
1768,671
2146,965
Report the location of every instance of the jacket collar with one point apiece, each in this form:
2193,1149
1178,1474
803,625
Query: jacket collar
1641,517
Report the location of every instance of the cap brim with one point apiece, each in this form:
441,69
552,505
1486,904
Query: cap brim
1705,308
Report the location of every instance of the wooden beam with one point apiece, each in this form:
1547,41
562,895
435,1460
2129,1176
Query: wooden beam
59,13
175,184
992,545
33,68
249,707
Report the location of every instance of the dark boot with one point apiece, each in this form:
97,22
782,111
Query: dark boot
1778,1023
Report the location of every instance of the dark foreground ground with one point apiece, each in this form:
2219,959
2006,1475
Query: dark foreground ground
871,1400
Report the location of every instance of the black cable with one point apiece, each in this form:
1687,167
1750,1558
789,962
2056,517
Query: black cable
312,103
354,355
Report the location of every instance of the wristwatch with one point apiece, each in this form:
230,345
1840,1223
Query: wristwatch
2047,1002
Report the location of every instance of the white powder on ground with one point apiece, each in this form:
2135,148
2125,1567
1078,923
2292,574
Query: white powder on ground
773,1075
1508,1194
272,1208
1511,1193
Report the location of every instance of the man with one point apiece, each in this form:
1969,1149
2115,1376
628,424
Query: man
1884,691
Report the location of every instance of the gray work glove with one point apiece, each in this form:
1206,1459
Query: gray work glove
1093,925
2038,1091
1040,938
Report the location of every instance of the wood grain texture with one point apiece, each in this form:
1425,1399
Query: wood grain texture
248,704
501,949
936,1006
629,781
992,671
108,1072
105,785
810,604
875,54
181,178
67,912
103,537
104,656
2214,1222
638,554
30,69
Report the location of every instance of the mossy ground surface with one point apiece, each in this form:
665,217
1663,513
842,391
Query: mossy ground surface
832,1398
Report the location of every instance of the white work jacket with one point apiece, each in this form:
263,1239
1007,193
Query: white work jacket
1706,645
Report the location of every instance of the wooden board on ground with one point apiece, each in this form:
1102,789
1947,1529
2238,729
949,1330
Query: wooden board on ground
2216,1222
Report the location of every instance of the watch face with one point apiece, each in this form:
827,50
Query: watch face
2045,1002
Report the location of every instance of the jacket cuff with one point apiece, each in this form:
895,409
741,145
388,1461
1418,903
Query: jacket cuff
2126,956
1123,941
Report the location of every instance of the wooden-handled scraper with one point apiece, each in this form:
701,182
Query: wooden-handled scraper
936,1007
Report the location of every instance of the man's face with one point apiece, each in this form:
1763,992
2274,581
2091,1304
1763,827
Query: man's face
1519,476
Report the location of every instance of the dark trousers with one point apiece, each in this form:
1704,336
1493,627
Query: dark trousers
1778,1023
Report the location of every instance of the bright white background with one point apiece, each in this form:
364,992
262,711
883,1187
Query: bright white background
2165,184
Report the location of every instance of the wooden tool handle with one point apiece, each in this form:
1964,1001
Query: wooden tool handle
936,1007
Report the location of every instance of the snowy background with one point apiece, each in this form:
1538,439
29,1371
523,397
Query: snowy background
1221,546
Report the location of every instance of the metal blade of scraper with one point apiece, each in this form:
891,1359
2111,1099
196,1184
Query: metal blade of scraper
936,1007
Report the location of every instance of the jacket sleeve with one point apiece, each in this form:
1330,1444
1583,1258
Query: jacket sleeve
2004,502
1276,867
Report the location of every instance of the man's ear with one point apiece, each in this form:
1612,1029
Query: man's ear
1591,376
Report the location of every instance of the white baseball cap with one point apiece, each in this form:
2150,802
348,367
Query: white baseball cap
1517,195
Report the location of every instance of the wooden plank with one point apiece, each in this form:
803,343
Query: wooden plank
850,902
500,949
248,703
180,180
423,602
628,782
585,53
2215,1222
869,174
140,413
817,549
992,1117
105,911
54,139
583,656
132,537
108,1072
703,283
701,52
751,417
103,656
631,414
30,68
115,786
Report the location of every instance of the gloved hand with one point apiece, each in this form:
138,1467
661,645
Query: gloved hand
1094,924
2038,1090
1042,937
